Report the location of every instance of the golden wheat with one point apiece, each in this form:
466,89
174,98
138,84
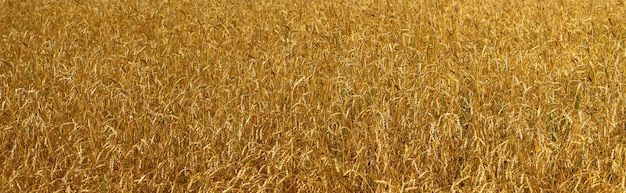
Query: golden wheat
312,96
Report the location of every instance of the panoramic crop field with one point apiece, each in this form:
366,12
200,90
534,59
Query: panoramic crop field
312,96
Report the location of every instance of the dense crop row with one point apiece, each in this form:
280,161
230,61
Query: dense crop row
312,96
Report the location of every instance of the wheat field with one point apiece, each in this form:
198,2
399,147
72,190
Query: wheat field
312,96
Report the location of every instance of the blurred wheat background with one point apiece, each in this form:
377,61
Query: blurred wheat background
312,96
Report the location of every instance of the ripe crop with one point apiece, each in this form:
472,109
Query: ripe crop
312,96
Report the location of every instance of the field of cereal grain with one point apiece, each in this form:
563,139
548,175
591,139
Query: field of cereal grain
312,96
